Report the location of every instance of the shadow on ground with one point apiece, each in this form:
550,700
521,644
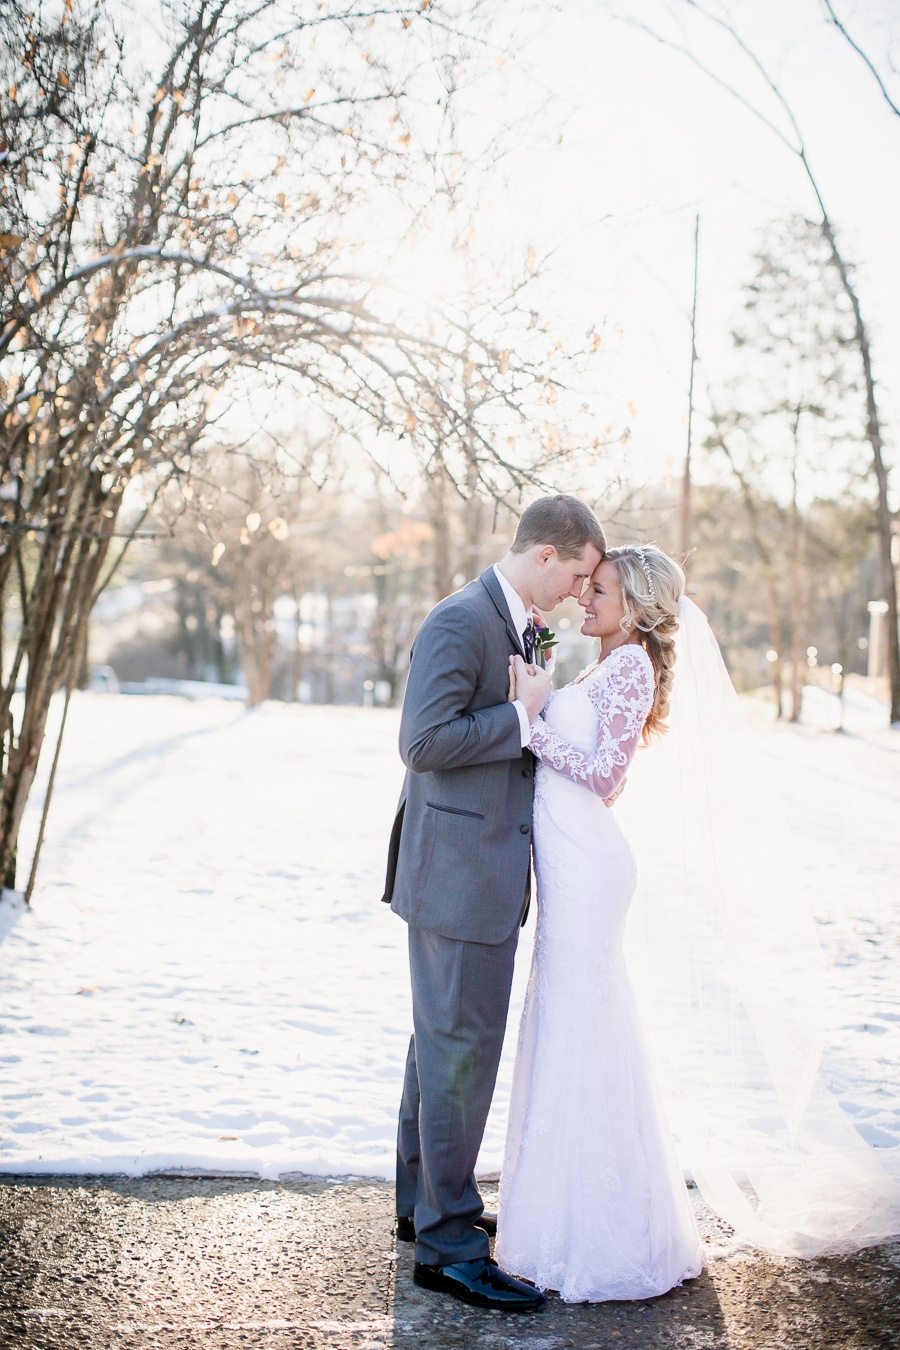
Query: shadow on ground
112,1262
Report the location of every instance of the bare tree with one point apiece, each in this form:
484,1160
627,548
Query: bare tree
176,270
402,593
839,536
251,564
759,513
721,19
791,427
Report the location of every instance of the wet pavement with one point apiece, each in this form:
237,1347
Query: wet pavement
214,1262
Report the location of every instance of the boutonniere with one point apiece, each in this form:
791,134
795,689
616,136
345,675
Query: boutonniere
543,640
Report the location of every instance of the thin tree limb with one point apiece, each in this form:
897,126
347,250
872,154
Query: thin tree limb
859,51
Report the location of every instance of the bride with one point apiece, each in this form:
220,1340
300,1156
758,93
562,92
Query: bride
592,1200
592,1197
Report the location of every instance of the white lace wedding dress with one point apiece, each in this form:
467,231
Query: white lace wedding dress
592,1200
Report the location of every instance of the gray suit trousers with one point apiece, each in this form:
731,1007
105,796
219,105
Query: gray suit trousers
460,1002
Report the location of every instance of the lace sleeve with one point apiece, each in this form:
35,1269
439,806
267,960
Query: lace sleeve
622,701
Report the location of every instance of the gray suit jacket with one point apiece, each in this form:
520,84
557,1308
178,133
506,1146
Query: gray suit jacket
460,851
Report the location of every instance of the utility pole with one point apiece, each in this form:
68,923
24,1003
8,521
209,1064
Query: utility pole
686,480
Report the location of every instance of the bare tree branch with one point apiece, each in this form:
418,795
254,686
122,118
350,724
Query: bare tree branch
859,51
873,424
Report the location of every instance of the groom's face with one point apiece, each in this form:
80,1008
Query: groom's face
558,578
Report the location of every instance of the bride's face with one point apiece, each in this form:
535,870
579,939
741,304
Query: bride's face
602,603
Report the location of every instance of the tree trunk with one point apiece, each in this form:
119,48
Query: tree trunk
443,576
297,653
798,649
873,436
82,664
254,648
55,618
776,638
474,525
799,617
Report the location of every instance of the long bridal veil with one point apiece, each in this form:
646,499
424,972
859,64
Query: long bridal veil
732,983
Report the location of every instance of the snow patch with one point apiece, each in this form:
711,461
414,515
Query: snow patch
207,984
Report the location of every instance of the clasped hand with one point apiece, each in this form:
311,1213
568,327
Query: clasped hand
529,684
532,686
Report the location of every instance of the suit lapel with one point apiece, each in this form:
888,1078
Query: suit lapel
490,583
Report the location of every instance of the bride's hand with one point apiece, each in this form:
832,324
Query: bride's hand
511,696
530,685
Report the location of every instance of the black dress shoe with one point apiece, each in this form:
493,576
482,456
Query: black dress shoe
406,1226
481,1282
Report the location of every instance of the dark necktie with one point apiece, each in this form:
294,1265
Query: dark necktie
528,642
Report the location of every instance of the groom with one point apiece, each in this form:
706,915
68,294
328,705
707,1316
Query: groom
459,874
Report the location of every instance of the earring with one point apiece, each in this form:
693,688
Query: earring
626,623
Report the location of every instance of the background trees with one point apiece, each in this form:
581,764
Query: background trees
202,218
755,84
790,430
253,324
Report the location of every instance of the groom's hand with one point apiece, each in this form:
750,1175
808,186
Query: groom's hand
533,686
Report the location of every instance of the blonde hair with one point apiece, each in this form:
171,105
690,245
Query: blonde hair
651,584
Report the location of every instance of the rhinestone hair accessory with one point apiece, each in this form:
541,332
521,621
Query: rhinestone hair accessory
645,568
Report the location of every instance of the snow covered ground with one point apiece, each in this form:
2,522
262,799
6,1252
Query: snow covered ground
208,980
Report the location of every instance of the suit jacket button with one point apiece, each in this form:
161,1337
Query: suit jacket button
524,829
526,773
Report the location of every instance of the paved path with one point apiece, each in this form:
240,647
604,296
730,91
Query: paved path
118,1262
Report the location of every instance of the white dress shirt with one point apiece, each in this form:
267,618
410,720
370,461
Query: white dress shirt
520,617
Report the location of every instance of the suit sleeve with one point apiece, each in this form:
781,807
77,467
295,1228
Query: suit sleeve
436,732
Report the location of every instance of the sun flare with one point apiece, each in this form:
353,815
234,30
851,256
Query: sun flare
430,274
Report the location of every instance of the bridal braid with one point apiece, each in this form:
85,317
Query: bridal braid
652,584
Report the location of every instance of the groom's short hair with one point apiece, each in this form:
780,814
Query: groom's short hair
562,521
